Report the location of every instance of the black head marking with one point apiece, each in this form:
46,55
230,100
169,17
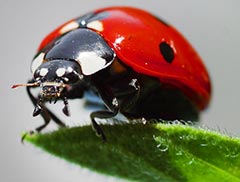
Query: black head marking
166,51
56,70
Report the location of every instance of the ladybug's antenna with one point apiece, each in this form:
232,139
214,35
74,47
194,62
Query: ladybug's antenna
25,85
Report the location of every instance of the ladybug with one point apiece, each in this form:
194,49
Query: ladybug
136,63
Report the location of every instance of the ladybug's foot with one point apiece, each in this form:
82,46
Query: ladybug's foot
40,128
37,110
98,130
66,107
31,132
104,115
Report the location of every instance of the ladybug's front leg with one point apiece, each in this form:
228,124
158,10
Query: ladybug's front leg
44,111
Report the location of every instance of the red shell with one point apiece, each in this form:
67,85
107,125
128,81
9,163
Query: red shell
135,36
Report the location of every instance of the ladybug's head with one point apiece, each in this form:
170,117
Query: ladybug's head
56,76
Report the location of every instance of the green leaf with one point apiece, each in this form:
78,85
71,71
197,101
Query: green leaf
150,152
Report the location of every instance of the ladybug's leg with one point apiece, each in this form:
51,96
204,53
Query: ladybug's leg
112,103
45,112
103,115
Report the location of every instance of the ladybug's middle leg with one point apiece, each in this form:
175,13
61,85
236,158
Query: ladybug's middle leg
103,115
113,107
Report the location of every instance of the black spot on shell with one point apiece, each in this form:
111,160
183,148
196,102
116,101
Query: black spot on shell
166,51
89,17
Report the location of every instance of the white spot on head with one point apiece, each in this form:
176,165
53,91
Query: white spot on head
66,79
69,69
91,63
38,78
37,62
43,72
96,25
68,27
60,72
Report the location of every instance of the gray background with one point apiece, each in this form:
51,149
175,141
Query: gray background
211,26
